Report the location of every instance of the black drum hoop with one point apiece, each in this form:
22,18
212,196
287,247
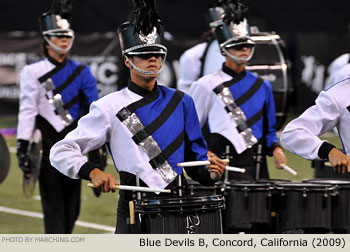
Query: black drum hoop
304,187
185,204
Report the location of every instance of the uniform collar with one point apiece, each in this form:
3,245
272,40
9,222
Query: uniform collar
141,91
232,73
56,63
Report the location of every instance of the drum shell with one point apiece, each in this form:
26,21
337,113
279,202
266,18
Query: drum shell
247,205
196,189
272,183
179,215
340,203
304,206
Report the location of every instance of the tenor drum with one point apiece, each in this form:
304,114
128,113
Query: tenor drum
304,207
340,202
273,184
181,215
195,188
248,206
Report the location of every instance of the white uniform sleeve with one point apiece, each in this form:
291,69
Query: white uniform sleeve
301,135
28,105
189,68
202,98
92,132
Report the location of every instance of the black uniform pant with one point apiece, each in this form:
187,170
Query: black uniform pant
60,199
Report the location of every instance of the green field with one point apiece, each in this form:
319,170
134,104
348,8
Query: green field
100,210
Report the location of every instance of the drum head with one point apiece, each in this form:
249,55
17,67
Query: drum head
4,159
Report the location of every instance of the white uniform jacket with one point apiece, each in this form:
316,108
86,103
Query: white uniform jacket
331,109
200,60
173,124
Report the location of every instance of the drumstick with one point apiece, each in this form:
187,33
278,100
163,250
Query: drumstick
193,163
235,169
288,169
198,163
136,188
132,212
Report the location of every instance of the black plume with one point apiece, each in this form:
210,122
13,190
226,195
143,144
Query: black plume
62,8
234,11
146,16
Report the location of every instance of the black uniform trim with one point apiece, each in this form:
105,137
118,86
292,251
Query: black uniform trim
69,104
148,96
251,91
85,170
255,118
70,79
161,119
202,59
324,150
236,76
58,68
348,107
168,151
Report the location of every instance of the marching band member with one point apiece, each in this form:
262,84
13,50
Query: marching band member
53,93
149,128
331,109
237,105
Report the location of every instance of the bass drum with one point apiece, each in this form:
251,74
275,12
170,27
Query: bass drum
270,63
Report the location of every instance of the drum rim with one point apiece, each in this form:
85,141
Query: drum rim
187,199
247,185
328,181
304,186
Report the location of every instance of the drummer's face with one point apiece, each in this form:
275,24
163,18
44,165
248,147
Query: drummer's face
241,51
148,62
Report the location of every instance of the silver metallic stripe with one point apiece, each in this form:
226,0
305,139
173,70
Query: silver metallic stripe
238,116
150,147
57,102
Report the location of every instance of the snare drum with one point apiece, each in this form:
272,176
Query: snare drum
248,205
181,215
304,207
340,203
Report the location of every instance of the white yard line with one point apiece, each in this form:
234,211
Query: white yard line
40,216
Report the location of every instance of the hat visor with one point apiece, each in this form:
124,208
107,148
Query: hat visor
148,50
234,43
67,33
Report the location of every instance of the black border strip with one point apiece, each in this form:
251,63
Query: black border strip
168,151
255,118
43,78
251,91
70,79
143,102
161,119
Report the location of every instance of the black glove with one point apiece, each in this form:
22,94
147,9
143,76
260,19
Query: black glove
22,155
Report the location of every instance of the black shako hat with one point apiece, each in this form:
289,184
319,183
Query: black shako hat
145,33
